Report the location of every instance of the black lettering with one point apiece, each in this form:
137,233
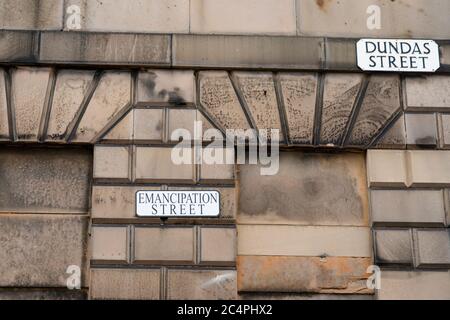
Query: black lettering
374,47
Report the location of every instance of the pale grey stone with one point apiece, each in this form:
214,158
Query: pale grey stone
42,294
429,168
445,120
17,46
407,207
432,247
340,54
4,126
421,130
395,136
427,93
393,246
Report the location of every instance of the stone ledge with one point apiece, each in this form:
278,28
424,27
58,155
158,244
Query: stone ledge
185,50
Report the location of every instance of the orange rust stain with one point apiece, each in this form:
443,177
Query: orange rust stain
323,4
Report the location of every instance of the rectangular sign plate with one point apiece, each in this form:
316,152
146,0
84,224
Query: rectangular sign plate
398,55
177,204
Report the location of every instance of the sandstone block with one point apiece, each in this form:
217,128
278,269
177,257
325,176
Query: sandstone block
109,244
112,162
218,245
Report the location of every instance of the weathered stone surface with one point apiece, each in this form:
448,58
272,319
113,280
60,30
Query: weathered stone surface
29,87
228,200
30,15
381,101
42,294
262,52
247,17
105,48
218,172
152,16
157,245
432,247
218,98
303,296
335,241
414,285
45,180
407,207
299,97
340,92
309,189
169,86
155,165
429,168
148,125
125,284
112,95
182,119
395,137
38,249
421,130
340,54
349,18
201,285
109,244
386,168
302,274
70,90
115,202
258,90
444,55
393,246
17,46
427,93
218,245
123,130
4,127
112,162
445,130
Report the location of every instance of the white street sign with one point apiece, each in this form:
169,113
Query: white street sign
182,204
398,55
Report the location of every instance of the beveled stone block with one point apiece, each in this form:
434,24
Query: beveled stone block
445,121
109,244
386,168
4,126
148,125
393,246
432,247
17,46
427,93
429,168
395,137
421,130
112,162
201,284
218,245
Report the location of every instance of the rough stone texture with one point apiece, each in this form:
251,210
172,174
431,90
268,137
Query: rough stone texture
122,131
109,244
340,54
148,125
335,241
243,17
201,285
302,274
432,247
218,245
310,188
421,130
427,93
395,137
348,18
228,200
386,168
112,162
42,294
70,89
302,296
111,96
258,90
38,249
156,245
17,46
262,52
115,202
414,285
104,48
155,164
429,168
218,98
169,86
445,130
393,246
299,97
170,16
4,127
45,180
125,284
381,101
29,87
31,15
182,119
340,92
407,207
217,173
